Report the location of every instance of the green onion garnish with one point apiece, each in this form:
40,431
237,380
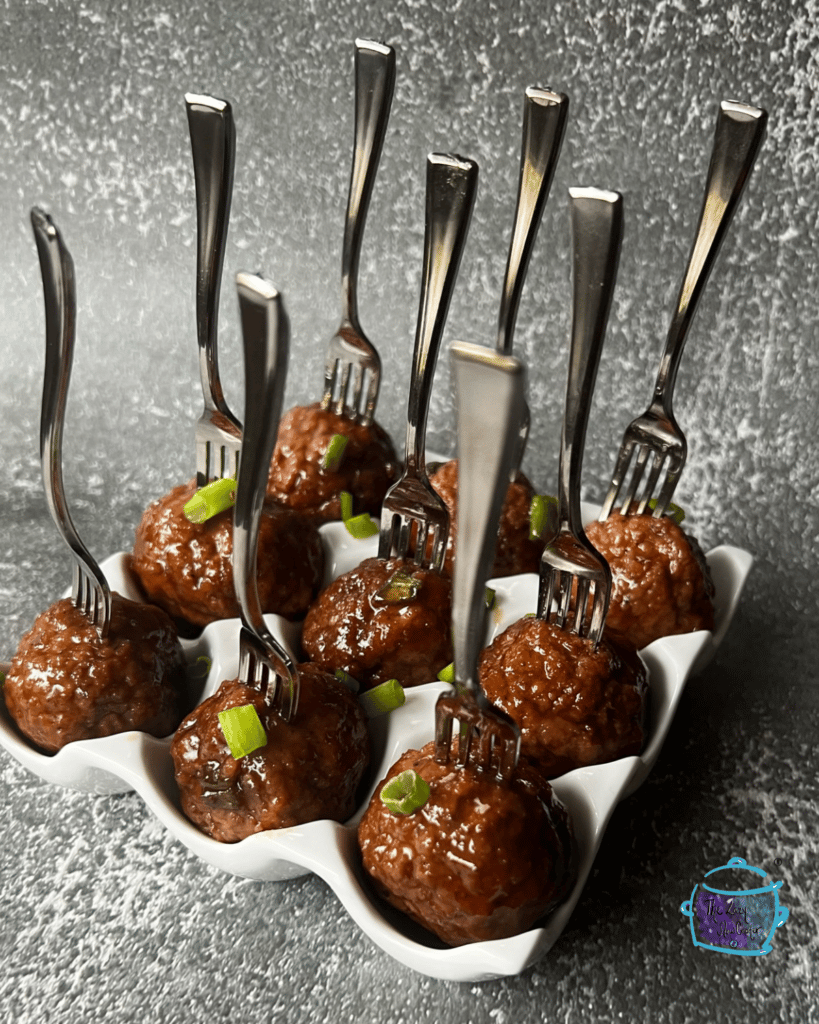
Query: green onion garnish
347,680
489,597
200,668
447,674
673,511
362,526
538,511
346,500
381,699
405,793
334,453
209,501
530,615
242,730
402,587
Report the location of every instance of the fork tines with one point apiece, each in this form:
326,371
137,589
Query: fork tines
262,669
218,445
413,513
92,597
342,358
659,451
574,591
491,739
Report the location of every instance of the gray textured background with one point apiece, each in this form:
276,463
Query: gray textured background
103,918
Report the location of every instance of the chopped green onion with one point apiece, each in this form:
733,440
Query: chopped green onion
402,587
539,510
530,615
347,680
210,500
194,670
447,674
405,793
242,730
381,699
673,511
489,597
334,453
2,678
346,505
362,526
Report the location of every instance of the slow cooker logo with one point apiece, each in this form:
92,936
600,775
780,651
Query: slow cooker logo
740,921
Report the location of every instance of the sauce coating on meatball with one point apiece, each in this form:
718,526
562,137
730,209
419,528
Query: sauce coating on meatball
482,859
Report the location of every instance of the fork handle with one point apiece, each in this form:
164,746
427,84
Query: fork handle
738,137
450,197
213,145
374,88
266,340
597,231
57,269
489,389
544,124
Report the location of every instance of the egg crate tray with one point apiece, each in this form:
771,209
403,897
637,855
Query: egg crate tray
136,761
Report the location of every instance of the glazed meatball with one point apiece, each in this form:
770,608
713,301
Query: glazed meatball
309,768
66,683
186,567
374,639
575,705
482,859
515,552
369,466
661,581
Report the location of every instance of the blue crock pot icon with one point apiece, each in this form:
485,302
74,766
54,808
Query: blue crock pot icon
740,921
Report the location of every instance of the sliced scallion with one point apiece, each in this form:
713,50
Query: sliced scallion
672,511
489,596
242,729
210,500
381,699
447,674
347,680
405,793
361,527
334,453
401,587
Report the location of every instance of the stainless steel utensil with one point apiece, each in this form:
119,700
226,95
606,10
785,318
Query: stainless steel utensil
263,661
656,435
90,590
213,144
544,123
349,349
569,559
489,390
412,502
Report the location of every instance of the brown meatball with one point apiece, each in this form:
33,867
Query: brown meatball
309,768
298,480
65,683
515,552
482,859
575,706
186,568
352,628
661,581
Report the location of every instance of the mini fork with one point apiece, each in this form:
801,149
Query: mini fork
90,591
544,124
489,389
412,502
213,144
569,559
263,662
655,437
349,349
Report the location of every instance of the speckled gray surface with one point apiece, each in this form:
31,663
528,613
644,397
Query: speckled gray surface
106,919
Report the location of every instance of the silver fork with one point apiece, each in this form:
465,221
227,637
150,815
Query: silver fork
213,144
263,662
90,590
489,389
569,558
450,196
349,349
544,124
655,435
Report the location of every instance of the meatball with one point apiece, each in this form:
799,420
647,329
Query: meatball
368,468
661,581
575,705
352,627
309,768
186,567
515,552
482,859
66,683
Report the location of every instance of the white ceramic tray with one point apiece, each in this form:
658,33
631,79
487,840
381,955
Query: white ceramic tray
135,761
